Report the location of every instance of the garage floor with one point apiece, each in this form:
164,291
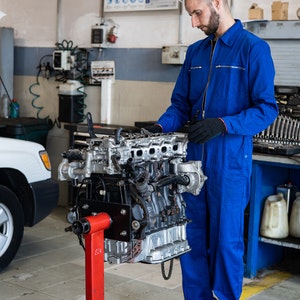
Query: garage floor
50,265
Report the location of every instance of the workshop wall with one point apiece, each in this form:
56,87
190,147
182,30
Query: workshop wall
38,26
143,85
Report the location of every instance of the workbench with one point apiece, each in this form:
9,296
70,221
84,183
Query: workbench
268,172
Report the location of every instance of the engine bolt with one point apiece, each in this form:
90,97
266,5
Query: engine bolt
123,233
123,212
135,225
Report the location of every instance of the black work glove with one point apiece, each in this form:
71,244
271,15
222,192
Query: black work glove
204,130
152,129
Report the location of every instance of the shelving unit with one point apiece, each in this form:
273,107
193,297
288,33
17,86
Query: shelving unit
268,172
289,242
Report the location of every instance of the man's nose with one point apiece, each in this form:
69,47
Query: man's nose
195,21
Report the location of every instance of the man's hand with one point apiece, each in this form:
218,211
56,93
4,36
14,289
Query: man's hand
152,129
204,130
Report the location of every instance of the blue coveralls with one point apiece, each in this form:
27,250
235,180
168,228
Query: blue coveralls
234,81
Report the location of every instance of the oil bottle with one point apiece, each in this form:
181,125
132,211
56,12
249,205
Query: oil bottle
14,109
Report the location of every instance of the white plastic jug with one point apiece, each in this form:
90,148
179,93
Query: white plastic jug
274,223
295,217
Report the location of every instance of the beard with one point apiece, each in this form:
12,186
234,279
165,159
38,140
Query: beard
213,24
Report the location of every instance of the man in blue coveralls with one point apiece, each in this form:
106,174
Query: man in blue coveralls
226,90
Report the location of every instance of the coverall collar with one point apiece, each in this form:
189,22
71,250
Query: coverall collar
229,36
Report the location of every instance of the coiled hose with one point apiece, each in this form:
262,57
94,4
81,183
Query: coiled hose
39,108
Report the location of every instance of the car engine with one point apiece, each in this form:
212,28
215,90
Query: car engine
138,179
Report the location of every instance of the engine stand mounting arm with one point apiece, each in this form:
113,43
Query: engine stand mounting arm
92,227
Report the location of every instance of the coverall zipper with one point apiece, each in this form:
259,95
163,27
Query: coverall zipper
231,67
213,46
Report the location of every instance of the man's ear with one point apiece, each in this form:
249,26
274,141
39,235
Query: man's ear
217,3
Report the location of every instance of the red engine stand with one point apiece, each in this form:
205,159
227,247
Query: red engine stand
93,231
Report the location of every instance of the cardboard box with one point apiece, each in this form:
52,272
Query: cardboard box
280,10
255,12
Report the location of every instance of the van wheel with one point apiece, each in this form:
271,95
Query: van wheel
11,226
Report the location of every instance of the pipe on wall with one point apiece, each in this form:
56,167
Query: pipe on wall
101,9
180,4
58,21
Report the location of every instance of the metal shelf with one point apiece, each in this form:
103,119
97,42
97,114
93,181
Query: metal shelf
268,172
290,242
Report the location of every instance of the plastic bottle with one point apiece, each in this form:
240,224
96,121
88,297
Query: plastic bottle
14,109
295,217
274,223
4,106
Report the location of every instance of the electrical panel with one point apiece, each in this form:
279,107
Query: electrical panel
62,60
173,54
102,70
105,34
99,36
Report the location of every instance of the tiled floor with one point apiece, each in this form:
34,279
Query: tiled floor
50,265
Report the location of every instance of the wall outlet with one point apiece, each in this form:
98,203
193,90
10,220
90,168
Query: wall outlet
173,54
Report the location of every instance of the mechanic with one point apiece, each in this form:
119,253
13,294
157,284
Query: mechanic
225,89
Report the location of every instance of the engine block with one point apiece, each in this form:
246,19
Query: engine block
138,179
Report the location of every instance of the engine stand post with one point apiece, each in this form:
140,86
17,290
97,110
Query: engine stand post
93,228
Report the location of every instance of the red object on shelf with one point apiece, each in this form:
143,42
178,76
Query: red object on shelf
94,255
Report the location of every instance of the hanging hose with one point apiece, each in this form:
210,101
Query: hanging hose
82,104
66,46
37,96
163,272
62,76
